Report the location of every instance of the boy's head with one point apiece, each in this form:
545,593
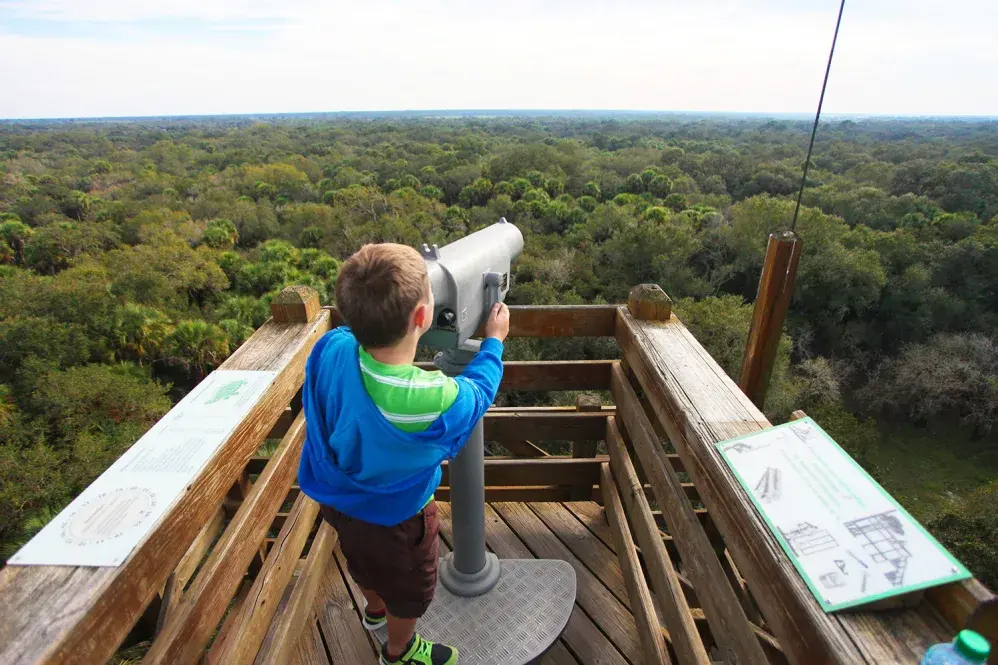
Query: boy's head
383,293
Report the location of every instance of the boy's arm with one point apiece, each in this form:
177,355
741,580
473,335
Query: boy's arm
482,377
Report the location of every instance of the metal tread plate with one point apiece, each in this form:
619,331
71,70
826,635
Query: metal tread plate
512,624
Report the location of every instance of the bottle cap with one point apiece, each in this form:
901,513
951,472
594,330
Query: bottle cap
972,646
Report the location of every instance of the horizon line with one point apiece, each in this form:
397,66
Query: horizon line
508,112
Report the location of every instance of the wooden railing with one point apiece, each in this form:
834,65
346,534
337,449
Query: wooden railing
744,580
237,561
64,614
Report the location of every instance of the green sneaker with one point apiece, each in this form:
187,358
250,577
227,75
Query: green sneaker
374,620
423,652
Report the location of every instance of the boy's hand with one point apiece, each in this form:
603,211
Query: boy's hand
498,323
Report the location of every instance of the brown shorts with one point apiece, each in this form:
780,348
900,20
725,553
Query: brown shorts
398,562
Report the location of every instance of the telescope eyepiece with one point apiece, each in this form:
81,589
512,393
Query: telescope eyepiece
447,319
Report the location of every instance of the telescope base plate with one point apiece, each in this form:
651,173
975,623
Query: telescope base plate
462,584
512,624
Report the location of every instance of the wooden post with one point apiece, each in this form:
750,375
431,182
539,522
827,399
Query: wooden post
295,304
585,403
776,286
648,302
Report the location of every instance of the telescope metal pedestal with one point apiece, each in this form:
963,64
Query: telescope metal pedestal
494,612
513,624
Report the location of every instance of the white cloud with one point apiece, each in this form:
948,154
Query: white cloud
124,11
313,55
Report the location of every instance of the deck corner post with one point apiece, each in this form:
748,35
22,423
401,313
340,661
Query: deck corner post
295,304
648,302
585,403
776,287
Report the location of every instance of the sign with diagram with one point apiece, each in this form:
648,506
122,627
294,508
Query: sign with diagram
851,541
103,524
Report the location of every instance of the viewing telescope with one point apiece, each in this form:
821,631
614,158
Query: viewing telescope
496,613
467,277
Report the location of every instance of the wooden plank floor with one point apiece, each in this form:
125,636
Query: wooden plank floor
600,631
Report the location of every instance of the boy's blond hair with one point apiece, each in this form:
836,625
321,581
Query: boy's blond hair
377,290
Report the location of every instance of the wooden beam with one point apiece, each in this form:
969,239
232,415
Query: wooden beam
544,426
178,579
776,287
253,619
189,629
541,471
594,517
549,471
637,589
545,320
225,632
66,614
677,616
557,375
727,618
586,403
545,376
285,631
280,428
525,449
560,321
256,465
356,594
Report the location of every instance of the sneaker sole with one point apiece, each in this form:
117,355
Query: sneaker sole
450,661
373,626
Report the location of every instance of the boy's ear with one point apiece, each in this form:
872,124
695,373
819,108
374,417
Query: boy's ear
421,316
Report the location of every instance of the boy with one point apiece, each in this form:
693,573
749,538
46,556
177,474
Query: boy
377,430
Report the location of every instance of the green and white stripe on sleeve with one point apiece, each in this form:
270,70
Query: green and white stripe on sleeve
408,397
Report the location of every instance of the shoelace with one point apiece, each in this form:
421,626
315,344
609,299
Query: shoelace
423,648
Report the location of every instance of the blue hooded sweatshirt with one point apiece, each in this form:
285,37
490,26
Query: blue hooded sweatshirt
355,460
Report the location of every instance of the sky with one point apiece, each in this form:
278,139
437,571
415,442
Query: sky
95,58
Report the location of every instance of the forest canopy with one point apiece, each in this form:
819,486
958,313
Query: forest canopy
136,256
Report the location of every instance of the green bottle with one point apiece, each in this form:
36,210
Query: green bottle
969,648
